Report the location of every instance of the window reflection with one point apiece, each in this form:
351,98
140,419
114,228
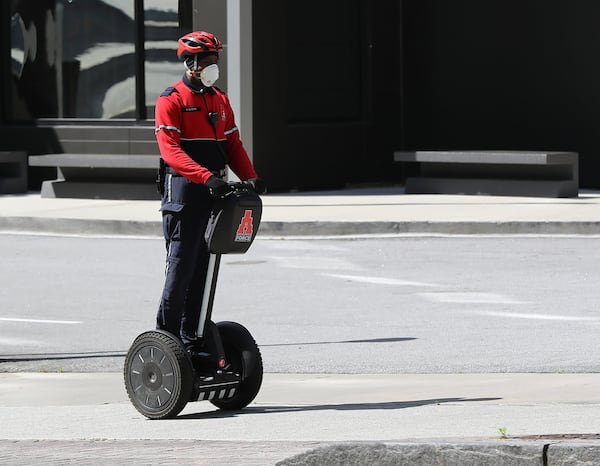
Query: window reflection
98,58
19,51
77,58
161,29
84,66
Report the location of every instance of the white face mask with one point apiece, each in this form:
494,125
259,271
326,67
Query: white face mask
209,75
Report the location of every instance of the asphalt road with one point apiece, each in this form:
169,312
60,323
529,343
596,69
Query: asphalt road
374,305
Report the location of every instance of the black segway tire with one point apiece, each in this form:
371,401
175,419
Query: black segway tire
158,375
243,354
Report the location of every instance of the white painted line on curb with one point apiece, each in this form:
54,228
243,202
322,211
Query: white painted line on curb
40,321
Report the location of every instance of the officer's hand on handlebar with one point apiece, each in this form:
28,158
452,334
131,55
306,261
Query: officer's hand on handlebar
258,185
218,187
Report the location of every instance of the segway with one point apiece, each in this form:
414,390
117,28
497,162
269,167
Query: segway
161,377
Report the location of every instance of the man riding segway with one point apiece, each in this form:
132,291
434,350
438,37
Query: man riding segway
198,138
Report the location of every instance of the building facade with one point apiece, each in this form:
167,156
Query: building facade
324,91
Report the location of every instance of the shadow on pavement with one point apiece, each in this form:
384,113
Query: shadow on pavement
326,407
370,340
122,354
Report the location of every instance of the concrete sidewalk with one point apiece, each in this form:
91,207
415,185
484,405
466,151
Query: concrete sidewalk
461,419
346,212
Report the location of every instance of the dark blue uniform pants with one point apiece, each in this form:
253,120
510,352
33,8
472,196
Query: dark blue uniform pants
186,268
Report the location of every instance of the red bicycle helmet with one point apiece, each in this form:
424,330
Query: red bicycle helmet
198,42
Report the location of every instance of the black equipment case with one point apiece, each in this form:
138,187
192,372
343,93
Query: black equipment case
234,222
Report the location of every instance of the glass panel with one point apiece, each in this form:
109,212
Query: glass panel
161,29
18,34
73,59
324,60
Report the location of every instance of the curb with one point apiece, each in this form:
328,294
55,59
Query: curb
499,453
304,453
336,228
78,226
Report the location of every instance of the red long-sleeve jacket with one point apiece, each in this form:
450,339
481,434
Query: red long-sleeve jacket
188,141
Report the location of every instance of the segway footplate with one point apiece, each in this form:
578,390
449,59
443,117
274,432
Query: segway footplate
219,387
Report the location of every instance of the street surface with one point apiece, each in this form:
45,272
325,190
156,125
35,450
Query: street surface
436,346
362,306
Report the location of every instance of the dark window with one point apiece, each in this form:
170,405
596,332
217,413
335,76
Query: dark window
324,60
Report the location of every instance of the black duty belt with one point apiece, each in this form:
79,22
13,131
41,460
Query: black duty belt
220,173
170,171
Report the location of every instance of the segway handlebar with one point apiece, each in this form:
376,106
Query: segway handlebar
241,185
254,184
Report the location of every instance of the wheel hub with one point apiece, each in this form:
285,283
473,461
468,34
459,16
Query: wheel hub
152,376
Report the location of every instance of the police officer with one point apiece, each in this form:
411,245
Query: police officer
198,138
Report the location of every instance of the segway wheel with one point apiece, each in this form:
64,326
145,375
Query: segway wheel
158,375
242,353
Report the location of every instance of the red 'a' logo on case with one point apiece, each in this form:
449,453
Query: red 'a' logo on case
244,231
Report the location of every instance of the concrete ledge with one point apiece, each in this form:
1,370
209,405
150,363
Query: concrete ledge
95,160
488,186
99,176
300,453
494,157
485,453
512,173
62,188
572,454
